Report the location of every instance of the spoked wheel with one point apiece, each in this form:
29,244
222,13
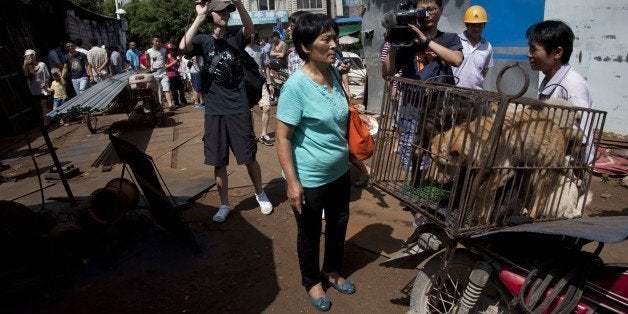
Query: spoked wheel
428,299
92,122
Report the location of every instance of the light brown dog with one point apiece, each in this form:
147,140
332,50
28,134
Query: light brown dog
528,138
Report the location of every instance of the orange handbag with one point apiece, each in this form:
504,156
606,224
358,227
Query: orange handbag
361,143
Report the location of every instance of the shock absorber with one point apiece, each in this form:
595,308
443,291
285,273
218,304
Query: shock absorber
477,280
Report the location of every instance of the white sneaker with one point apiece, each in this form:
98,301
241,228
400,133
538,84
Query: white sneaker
264,204
221,215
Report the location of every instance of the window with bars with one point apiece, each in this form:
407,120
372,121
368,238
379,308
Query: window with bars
265,5
309,4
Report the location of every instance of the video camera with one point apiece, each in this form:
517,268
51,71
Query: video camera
398,33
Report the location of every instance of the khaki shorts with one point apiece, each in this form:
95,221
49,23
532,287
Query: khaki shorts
265,101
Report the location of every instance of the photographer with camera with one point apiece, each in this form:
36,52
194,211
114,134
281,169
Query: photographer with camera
428,55
228,120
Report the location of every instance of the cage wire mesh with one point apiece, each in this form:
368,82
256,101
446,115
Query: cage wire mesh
435,152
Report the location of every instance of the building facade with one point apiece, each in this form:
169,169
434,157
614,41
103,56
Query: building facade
269,15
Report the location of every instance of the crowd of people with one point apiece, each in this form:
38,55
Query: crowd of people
69,69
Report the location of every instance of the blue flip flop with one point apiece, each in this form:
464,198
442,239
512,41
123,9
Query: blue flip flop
322,304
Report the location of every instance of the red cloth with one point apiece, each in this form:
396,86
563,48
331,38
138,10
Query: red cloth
609,164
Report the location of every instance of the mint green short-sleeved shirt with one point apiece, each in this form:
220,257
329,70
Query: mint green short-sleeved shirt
319,140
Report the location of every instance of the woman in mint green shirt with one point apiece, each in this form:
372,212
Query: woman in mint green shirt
313,152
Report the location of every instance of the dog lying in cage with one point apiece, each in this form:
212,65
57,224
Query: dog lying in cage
532,145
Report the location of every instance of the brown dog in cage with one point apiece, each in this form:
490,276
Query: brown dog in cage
530,138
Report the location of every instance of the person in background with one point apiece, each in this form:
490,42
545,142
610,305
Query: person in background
278,52
196,63
55,56
116,64
143,58
266,61
133,57
77,66
228,120
174,77
294,61
314,156
156,62
37,77
79,46
478,52
255,51
98,61
184,71
57,87
550,44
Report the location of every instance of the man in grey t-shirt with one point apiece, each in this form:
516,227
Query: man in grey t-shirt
156,59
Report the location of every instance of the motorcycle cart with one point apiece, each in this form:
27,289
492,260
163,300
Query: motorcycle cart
470,162
134,93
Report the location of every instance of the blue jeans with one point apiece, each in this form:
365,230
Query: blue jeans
80,84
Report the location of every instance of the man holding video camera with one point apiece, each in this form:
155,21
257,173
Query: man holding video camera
428,45
420,51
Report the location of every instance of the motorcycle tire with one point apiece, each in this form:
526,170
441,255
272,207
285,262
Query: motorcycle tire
426,299
92,122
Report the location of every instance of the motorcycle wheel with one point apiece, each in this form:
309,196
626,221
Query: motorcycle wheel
427,299
92,122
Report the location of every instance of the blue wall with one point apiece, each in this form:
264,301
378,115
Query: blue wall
508,21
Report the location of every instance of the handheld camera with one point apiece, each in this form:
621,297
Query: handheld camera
398,33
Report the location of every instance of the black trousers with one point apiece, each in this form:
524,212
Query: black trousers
334,199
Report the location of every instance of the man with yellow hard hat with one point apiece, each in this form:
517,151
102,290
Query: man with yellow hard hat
478,52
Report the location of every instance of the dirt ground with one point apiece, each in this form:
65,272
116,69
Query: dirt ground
247,265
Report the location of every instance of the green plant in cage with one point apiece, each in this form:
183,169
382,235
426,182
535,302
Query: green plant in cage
427,193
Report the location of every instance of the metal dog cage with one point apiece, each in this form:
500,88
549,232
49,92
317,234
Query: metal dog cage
473,161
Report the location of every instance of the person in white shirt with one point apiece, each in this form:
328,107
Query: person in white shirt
156,59
550,46
37,75
478,52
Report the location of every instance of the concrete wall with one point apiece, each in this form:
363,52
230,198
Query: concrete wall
600,52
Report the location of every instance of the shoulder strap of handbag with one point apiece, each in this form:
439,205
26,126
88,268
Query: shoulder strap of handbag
340,82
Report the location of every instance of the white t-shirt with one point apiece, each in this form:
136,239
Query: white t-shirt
476,59
39,79
157,58
576,90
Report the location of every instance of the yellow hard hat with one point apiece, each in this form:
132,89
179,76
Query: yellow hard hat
475,14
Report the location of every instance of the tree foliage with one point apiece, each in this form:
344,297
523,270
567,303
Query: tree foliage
167,18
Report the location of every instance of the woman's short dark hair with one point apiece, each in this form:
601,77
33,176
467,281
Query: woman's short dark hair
297,15
552,34
307,30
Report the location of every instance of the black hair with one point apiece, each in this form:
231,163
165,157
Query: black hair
275,33
552,34
93,42
439,3
297,15
307,30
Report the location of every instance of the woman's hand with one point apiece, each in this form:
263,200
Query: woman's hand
295,195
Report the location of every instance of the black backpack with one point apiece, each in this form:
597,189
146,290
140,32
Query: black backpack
253,79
